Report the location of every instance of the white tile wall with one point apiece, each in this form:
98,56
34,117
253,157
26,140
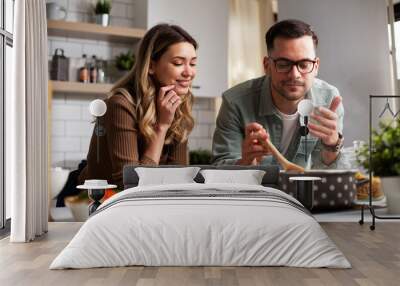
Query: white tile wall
72,125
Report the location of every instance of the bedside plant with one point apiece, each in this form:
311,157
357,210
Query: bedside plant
102,11
385,161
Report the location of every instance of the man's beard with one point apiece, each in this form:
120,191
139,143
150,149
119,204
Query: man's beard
288,95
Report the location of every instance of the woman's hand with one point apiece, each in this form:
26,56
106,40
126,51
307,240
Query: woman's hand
167,103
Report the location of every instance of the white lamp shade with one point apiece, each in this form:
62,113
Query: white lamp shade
305,107
97,108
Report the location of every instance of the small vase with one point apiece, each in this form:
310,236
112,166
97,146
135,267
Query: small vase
103,19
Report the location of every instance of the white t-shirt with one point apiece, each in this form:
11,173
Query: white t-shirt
289,127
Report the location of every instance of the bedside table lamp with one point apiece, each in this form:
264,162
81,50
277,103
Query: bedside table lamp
98,108
96,190
304,108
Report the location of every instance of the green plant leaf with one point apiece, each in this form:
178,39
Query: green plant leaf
385,155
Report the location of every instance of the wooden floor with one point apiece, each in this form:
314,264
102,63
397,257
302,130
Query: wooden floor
374,255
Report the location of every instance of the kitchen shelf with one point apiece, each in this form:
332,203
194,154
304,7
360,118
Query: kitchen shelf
79,87
92,31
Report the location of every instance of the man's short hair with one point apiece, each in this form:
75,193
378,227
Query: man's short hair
289,29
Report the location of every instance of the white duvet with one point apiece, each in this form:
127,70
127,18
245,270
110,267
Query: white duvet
185,230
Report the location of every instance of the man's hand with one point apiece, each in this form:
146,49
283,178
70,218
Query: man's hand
252,150
326,130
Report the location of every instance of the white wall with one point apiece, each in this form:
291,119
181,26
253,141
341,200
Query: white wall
354,52
71,123
207,22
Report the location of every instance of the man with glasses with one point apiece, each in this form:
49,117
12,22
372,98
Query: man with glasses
265,108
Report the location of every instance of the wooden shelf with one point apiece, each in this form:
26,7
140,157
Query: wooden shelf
79,87
92,31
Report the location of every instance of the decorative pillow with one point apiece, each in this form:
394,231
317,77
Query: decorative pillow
249,177
162,176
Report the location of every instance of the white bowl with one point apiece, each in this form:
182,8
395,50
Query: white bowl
59,177
79,208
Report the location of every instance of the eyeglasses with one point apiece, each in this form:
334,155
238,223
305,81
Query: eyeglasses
303,66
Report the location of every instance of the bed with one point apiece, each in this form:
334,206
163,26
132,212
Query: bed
201,224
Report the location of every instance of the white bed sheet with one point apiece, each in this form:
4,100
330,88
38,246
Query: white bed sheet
200,231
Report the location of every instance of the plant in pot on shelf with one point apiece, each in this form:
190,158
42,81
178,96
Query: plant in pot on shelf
102,11
385,161
121,65
125,61
200,157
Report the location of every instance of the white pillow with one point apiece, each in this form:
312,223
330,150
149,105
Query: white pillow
163,176
249,177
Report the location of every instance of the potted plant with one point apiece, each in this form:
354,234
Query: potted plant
125,61
385,161
102,11
200,157
120,65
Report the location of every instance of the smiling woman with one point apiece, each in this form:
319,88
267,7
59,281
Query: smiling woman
149,111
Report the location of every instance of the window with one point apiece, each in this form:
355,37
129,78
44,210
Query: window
6,44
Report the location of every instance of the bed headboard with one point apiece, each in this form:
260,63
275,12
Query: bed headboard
270,179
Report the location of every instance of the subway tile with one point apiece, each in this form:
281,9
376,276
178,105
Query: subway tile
117,50
66,112
78,128
65,144
78,99
85,142
72,159
76,17
131,11
100,51
118,10
80,6
75,156
192,144
122,22
211,129
57,128
62,3
82,41
57,159
204,144
85,114
199,130
203,116
124,1
60,39
201,103
70,49
195,144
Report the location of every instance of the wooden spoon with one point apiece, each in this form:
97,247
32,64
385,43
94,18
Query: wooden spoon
286,165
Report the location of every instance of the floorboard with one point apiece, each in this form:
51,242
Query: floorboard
374,255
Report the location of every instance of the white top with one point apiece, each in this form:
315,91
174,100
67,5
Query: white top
289,127
305,178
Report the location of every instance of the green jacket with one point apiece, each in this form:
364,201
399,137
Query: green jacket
251,101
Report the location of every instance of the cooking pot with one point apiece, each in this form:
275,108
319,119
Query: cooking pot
336,190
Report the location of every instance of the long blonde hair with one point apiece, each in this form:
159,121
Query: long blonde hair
140,87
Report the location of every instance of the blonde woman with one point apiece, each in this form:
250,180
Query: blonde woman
148,116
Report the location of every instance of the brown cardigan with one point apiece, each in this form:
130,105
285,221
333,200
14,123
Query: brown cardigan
123,144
